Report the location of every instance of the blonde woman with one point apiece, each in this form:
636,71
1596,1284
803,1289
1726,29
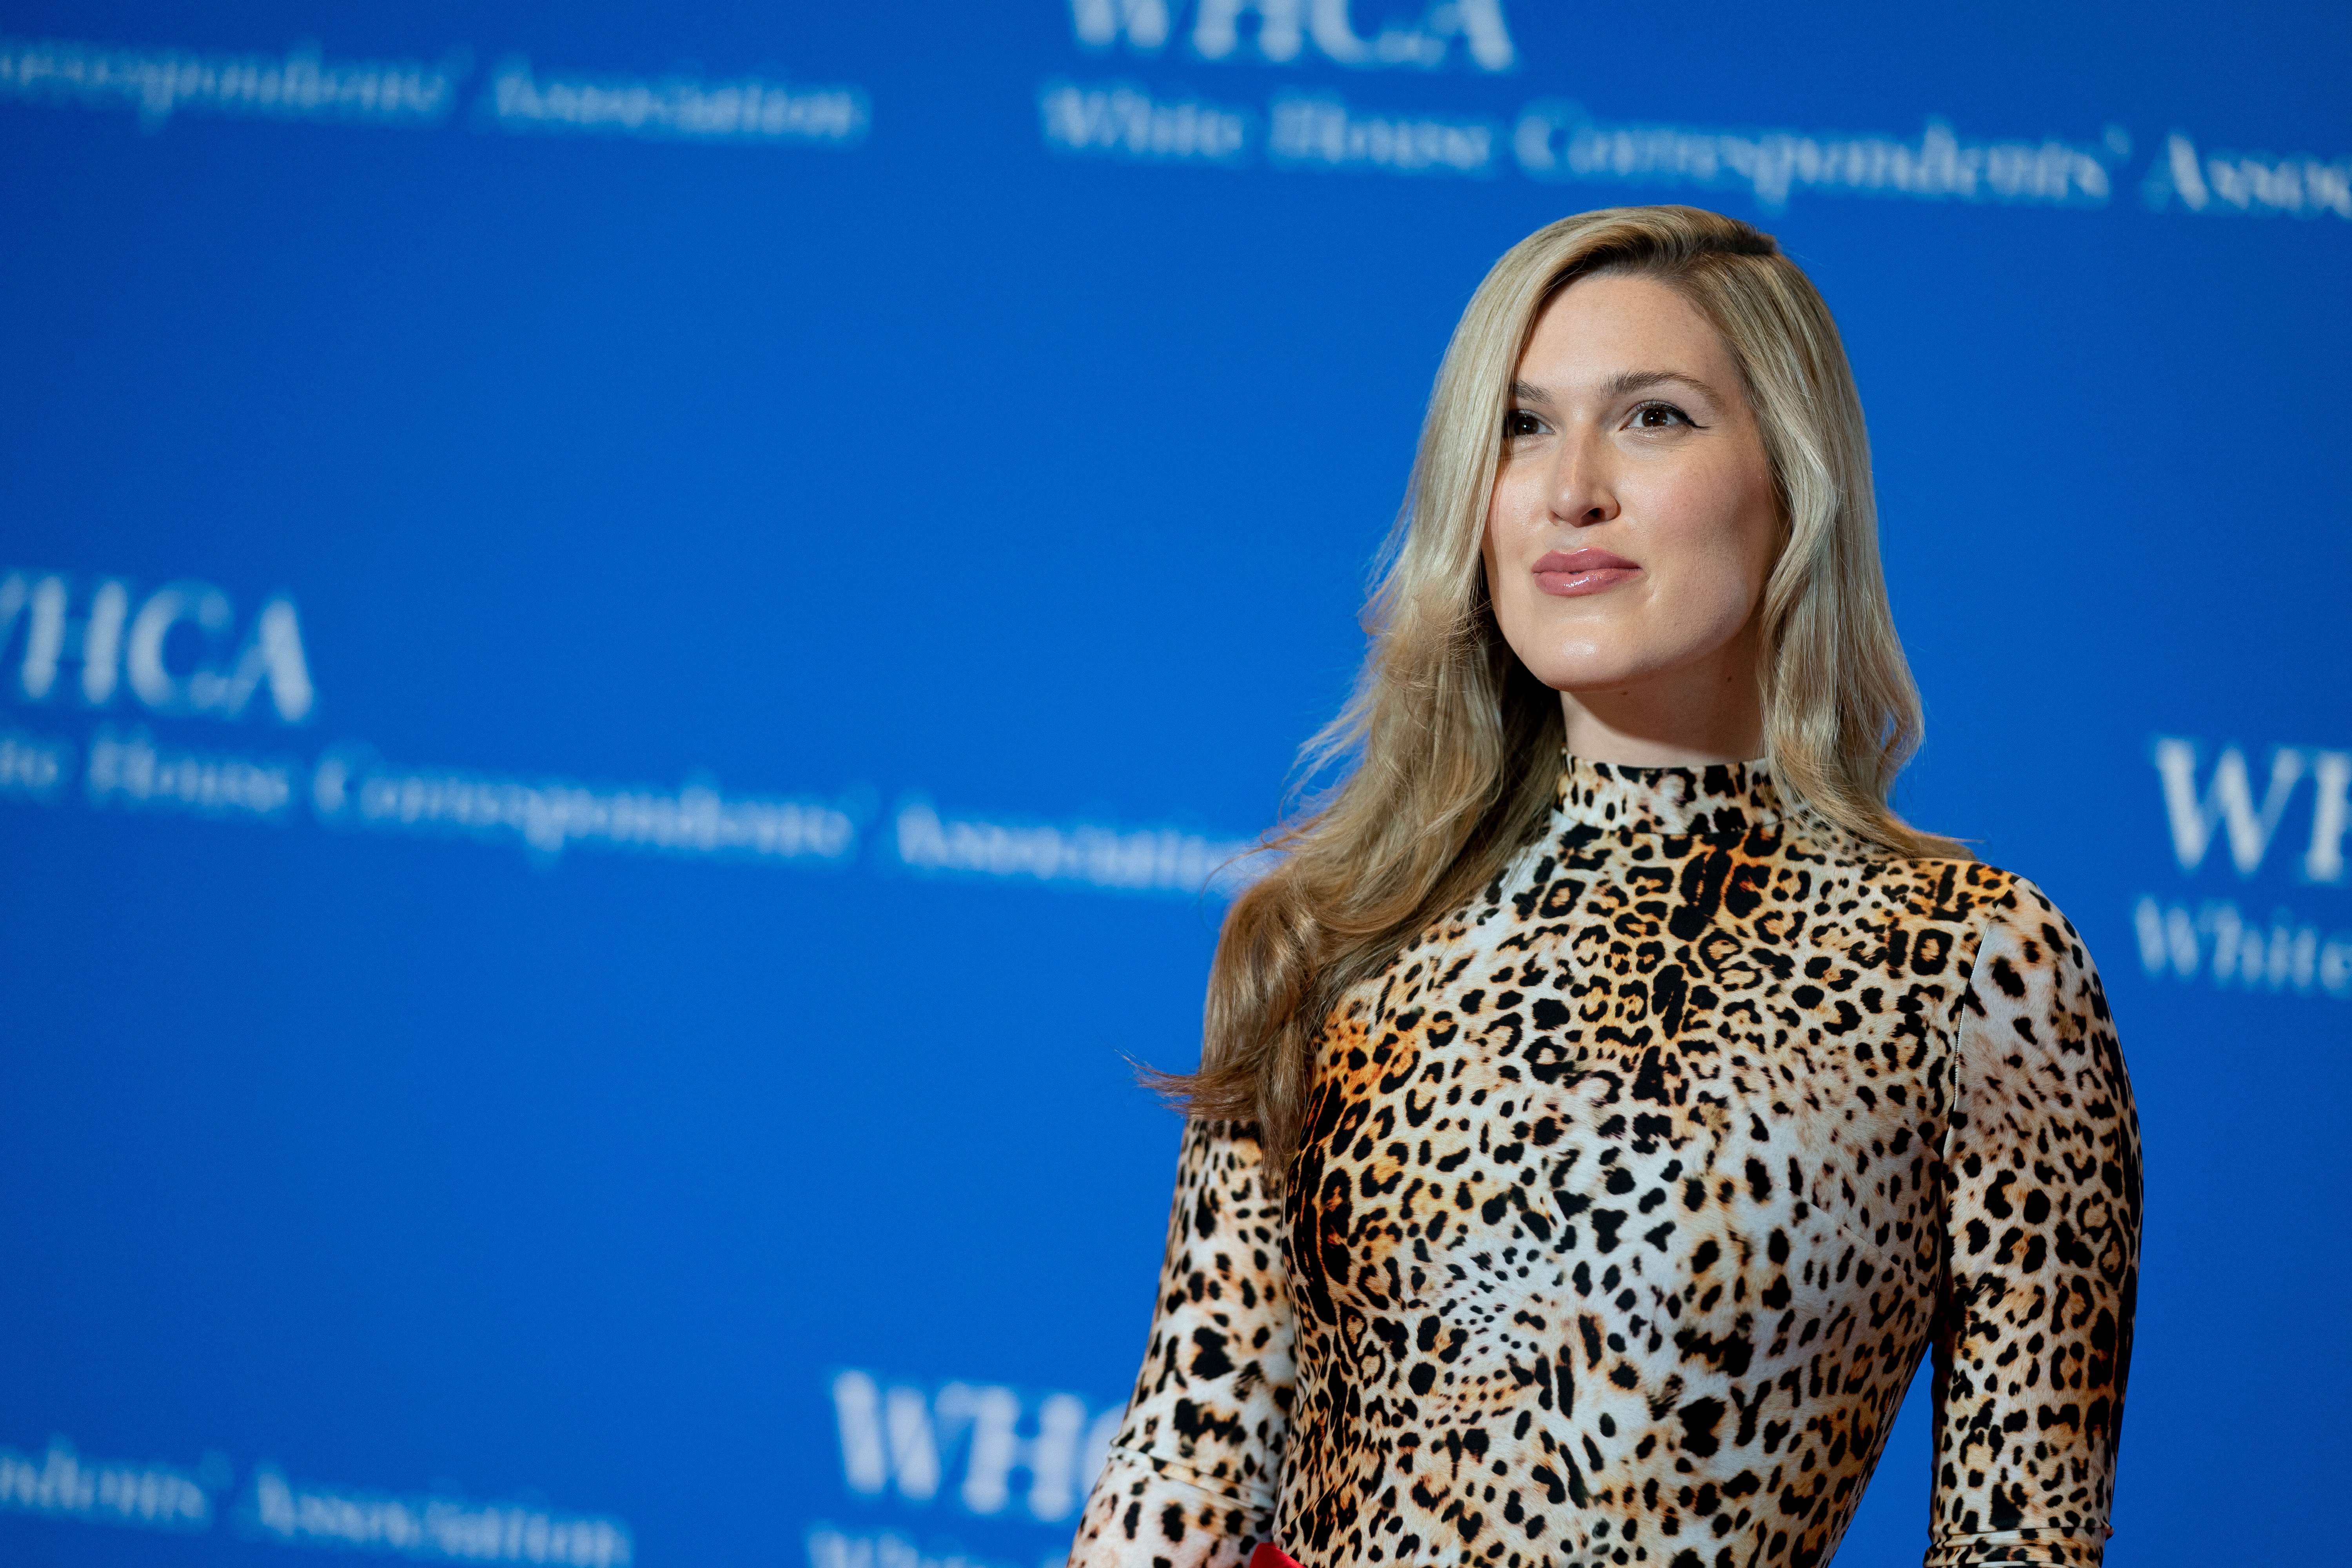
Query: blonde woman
1607,1101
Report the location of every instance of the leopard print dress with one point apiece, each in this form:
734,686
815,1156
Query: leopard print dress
1632,1194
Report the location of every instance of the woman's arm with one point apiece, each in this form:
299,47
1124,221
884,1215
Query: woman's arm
2042,1249
1192,1475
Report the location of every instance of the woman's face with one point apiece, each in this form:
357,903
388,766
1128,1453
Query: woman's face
1633,520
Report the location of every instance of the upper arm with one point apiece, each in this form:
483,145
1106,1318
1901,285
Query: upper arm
1192,1475
2043,1221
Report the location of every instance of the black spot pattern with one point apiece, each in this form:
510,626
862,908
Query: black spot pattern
1633,1195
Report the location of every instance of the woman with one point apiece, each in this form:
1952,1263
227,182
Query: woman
1597,1124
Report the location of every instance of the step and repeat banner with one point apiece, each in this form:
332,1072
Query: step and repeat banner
642,644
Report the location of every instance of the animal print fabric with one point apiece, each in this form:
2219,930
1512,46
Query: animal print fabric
1632,1195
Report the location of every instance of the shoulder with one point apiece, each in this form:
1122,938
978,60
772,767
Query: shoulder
2027,969
1953,892
1996,924
2014,925
2039,1067
1983,901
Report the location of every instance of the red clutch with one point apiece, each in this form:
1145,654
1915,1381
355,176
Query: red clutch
1269,1555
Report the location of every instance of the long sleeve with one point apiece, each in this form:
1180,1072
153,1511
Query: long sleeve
1192,1475
2042,1208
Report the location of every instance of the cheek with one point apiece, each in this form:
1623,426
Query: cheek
1509,506
1503,538
1716,538
1503,550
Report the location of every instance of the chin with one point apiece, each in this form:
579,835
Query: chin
1589,677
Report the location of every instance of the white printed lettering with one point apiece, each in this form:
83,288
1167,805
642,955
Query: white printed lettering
1559,140
1217,29
273,654
62,1484
1483,29
2218,941
1147,860
2228,802
1129,122
32,767
206,607
127,769
2331,815
53,637
299,85
441,1528
1285,27
2299,186
350,787
674,108
1324,131
1100,23
895,1439
1335,35
114,646
1051,1457
887,1438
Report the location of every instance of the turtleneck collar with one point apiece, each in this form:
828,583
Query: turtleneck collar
1720,797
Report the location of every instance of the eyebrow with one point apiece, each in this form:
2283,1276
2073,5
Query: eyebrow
1623,382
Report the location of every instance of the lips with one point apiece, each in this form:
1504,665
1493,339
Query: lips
1569,573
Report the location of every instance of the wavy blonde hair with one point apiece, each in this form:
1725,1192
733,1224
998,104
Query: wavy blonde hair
1456,747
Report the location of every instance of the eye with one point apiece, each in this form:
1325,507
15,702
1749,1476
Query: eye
1659,416
1519,421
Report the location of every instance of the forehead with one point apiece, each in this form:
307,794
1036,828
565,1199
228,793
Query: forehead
1602,326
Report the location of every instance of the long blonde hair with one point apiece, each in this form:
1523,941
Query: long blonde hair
1456,748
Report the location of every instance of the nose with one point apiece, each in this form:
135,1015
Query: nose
1582,489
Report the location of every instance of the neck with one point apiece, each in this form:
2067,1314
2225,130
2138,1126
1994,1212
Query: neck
1702,713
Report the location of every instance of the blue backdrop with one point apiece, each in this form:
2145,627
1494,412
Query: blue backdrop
631,633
